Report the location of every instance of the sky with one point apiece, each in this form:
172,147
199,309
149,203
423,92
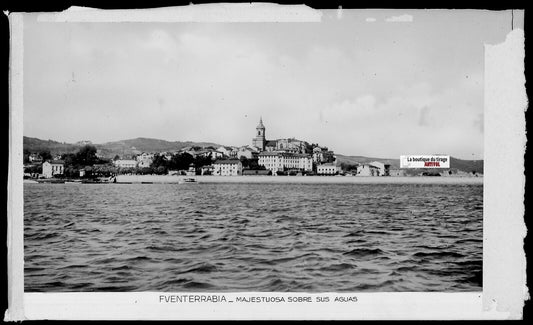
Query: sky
376,83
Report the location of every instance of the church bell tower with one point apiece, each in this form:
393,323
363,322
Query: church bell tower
259,141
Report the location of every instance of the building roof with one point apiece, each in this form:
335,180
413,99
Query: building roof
285,154
369,165
227,161
246,149
56,162
269,153
378,164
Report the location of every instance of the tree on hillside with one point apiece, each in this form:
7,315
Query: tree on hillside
87,156
201,161
252,163
244,161
180,161
161,170
69,159
45,154
26,155
348,166
159,161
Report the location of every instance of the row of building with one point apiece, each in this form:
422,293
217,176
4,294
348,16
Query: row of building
146,159
276,156
291,155
273,161
289,162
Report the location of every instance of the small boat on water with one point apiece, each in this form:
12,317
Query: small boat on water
73,182
100,180
30,181
50,181
187,180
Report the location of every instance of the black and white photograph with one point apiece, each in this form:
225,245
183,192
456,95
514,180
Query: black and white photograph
339,156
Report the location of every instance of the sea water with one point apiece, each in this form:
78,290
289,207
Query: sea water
253,237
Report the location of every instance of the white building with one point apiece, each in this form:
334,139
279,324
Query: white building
323,155
144,156
191,171
396,172
145,159
327,169
227,167
287,145
374,168
225,150
53,167
83,143
34,157
125,163
280,161
383,168
368,170
317,155
145,163
210,153
233,152
207,170
246,152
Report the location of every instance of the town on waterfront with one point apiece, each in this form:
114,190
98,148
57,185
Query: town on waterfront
281,157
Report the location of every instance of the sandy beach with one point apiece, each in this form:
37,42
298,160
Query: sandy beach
300,179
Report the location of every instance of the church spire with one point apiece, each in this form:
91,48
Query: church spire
260,126
259,141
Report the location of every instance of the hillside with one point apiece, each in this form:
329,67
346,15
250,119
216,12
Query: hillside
37,145
394,163
456,164
467,165
132,146
110,149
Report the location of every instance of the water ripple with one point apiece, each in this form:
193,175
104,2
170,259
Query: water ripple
253,237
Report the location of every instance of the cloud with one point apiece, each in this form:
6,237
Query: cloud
211,82
400,19
370,19
348,111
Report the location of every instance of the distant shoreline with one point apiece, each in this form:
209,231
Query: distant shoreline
303,179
